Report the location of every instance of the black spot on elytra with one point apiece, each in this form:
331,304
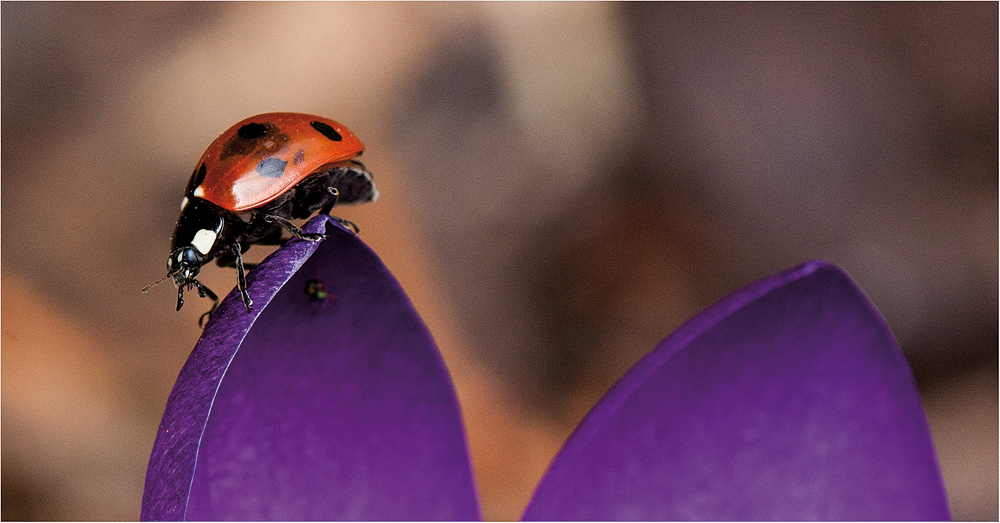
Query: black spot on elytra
327,131
299,156
271,167
252,130
262,138
197,177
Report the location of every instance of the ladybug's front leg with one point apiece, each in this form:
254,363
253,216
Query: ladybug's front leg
206,292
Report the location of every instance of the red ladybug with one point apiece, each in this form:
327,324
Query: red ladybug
254,178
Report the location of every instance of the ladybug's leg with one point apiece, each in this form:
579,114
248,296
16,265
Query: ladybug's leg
272,238
329,207
227,259
292,228
241,278
205,292
347,223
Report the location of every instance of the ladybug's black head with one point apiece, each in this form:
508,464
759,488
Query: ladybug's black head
183,265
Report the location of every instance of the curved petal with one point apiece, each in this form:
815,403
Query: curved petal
788,399
339,409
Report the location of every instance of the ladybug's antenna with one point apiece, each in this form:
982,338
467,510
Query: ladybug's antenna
157,282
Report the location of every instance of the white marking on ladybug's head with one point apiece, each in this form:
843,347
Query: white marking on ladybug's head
203,240
199,191
184,203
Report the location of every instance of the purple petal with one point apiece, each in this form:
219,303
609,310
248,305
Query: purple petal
340,410
788,399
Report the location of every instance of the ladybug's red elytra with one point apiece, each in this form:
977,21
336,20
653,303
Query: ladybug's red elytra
254,178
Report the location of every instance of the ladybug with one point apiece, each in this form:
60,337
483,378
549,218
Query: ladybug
254,178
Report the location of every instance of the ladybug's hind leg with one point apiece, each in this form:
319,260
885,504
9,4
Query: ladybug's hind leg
275,237
329,207
335,195
347,223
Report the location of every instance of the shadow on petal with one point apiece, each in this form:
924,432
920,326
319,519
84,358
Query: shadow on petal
313,409
788,399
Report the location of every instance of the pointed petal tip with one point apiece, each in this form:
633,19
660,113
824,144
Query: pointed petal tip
337,409
788,399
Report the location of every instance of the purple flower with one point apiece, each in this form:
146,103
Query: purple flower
788,399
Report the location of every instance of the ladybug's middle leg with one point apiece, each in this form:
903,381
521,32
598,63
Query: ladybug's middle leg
275,237
292,228
234,258
241,277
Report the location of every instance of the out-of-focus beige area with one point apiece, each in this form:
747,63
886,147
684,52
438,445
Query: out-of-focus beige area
562,185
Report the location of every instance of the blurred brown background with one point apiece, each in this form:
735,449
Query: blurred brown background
562,185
